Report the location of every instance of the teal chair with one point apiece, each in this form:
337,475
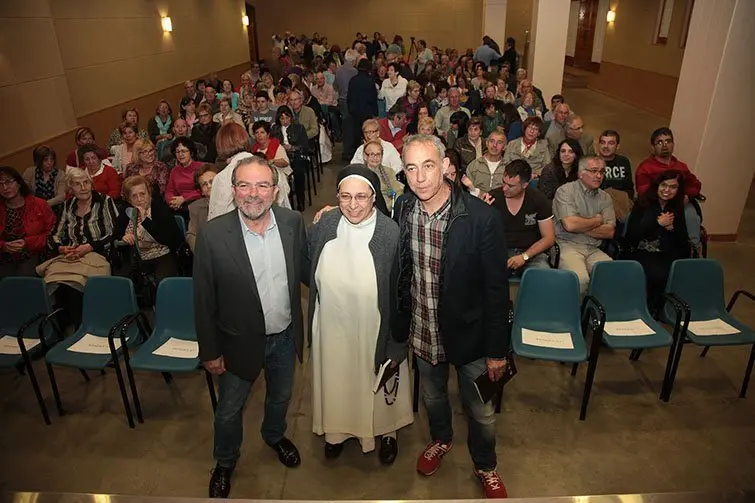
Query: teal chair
549,301
699,284
26,314
620,288
181,224
109,302
174,318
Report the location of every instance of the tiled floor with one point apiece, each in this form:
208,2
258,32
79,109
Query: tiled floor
704,439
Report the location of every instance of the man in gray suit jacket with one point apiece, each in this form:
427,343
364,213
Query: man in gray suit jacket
248,268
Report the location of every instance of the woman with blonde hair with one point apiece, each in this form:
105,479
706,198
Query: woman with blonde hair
412,100
146,165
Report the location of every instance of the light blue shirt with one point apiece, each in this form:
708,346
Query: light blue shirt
269,267
486,54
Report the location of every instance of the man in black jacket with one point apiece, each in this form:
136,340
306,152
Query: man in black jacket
248,267
362,97
453,302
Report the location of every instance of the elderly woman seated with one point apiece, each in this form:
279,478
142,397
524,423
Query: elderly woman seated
227,114
390,187
83,237
150,227
104,177
146,165
199,209
44,179
25,224
354,256
82,136
159,126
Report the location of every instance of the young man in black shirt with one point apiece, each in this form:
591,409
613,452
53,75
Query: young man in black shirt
618,168
527,218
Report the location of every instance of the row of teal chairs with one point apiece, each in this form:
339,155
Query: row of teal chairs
617,293
110,313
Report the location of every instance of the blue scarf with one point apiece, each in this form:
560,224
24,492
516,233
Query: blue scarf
164,127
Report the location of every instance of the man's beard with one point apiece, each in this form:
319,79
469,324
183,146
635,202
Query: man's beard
254,215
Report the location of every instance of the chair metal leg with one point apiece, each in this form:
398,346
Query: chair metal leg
309,186
676,357
132,385
124,396
745,382
37,391
705,351
55,393
591,367
167,377
415,404
84,375
211,390
574,369
635,355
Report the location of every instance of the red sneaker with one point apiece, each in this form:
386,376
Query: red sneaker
429,461
492,484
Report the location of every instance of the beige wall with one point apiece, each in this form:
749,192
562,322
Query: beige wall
628,41
518,20
63,60
445,23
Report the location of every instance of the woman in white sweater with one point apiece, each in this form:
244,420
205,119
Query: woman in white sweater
394,87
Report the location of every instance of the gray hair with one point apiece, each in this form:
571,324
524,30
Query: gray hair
572,118
351,55
76,175
424,139
246,161
585,160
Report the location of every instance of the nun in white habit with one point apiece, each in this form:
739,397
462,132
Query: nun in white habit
354,256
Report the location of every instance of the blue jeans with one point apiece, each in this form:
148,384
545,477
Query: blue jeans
480,416
280,360
692,219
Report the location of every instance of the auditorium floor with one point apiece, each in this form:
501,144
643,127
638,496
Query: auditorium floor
704,439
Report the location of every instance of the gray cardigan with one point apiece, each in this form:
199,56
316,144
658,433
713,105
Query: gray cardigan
384,249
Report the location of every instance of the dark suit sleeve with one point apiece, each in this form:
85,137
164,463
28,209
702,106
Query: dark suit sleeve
205,301
306,260
496,287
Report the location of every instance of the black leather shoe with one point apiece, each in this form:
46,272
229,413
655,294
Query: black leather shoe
332,451
220,482
288,454
388,450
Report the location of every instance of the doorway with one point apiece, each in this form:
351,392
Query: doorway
254,51
588,15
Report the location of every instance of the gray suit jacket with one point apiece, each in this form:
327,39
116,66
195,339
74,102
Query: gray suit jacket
229,318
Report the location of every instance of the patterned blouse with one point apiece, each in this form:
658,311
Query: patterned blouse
146,245
95,228
14,229
158,177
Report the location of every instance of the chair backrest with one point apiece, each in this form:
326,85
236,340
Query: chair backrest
107,299
547,300
700,283
619,286
533,183
174,308
21,299
181,224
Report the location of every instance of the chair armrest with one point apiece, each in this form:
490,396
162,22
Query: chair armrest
23,329
682,314
554,256
121,327
593,314
48,319
735,297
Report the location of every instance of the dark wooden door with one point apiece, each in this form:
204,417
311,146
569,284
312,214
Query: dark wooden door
588,13
254,47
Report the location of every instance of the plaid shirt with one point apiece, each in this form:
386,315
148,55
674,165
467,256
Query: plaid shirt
426,240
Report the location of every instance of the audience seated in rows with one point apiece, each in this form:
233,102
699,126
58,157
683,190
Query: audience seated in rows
81,137
146,165
371,132
562,168
130,116
486,173
25,224
584,218
227,114
159,127
104,177
529,147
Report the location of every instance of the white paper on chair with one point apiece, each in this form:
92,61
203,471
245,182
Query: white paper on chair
178,348
556,340
9,345
94,345
627,328
712,327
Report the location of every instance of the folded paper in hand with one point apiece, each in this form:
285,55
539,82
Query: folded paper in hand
711,327
487,389
557,340
627,328
178,348
94,345
9,345
385,372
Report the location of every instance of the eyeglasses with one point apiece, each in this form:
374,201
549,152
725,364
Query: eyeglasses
361,198
206,183
204,114
149,152
596,172
259,186
373,154
182,151
7,182
660,143
371,131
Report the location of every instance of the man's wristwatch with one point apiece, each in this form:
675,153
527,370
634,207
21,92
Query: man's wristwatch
525,257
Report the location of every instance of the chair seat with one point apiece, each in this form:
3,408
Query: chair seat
578,354
661,338
745,336
60,355
8,361
144,360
